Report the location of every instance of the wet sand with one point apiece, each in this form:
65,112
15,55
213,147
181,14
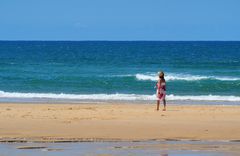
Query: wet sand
117,122
158,148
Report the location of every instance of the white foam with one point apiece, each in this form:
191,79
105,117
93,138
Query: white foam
146,77
115,96
183,77
204,98
76,96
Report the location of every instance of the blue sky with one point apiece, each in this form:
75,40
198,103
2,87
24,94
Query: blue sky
119,20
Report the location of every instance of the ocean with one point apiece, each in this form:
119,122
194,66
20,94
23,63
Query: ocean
119,70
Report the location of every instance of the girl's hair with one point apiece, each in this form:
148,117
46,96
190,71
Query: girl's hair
162,77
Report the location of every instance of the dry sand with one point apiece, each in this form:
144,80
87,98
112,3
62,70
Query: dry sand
78,122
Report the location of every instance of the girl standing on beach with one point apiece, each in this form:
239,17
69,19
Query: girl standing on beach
161,90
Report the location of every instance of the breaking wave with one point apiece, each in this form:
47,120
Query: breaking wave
115,96
184,77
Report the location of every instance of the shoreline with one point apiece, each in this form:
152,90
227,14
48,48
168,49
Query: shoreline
85,140
144,102
117,122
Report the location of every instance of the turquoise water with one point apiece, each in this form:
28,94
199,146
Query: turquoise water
119,70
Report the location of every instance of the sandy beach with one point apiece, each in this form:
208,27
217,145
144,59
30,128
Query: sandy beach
79,122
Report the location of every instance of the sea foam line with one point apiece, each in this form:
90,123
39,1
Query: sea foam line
115,96
184,77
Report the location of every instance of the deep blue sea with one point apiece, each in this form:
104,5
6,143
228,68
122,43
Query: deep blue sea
114,70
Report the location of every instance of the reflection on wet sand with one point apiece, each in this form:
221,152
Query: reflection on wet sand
162,148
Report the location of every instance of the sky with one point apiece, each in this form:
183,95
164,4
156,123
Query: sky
162,20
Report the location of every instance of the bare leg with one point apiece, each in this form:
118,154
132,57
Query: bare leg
158,103
164,103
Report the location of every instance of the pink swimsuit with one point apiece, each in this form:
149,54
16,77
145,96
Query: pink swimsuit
161,90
